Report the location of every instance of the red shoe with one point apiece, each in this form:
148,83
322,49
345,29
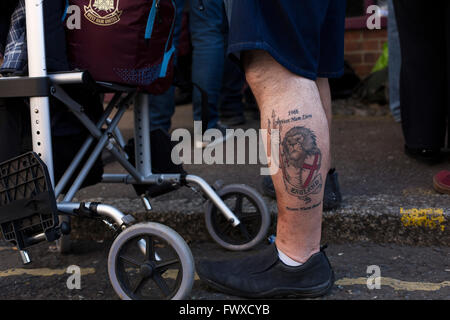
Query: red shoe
441,182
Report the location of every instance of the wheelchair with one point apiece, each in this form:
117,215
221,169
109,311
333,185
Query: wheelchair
146,260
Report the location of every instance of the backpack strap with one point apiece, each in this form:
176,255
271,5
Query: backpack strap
65,11
168,53
151,19
165,62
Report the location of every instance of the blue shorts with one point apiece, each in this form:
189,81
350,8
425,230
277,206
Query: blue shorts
305,36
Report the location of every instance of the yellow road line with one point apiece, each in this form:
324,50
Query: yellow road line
397,284
385,281
172,274
46,272
393,283
42,272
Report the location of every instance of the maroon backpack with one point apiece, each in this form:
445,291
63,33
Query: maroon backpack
125,41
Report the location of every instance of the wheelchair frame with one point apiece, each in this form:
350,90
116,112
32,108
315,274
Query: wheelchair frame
40,85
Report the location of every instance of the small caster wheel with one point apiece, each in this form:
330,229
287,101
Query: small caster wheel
249,206
64,243
150,261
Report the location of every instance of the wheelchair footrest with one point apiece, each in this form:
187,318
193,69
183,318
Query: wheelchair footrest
27,201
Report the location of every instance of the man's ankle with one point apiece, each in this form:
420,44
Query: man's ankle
299,255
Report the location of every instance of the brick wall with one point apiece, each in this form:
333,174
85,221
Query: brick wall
363,47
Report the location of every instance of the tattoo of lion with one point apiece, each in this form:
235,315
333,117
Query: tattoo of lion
301,161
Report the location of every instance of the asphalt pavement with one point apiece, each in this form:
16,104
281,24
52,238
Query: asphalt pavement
406,272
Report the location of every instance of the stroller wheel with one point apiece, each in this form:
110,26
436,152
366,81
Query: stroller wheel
64,244
249,206
150,261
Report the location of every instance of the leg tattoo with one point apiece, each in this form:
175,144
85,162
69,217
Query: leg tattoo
300,161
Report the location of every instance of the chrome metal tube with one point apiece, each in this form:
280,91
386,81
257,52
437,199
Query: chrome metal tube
38,238
84,149
102,209
25,257
152,179
143,247
212,195
116,178
39,106
67,77
118,134
142,135
95,154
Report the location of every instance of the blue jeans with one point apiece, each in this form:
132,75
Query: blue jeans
231,103
162,107
206,24
395,62
207,19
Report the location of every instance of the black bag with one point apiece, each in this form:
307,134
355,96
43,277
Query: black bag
161,154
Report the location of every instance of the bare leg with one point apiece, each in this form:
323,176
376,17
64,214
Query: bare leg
292,104
325,97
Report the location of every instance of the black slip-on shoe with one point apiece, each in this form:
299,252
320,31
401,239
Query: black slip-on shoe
263,275
332,197
268,187
429,156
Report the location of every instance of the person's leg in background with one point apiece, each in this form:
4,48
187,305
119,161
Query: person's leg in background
332,198
395,62
183,69
441,180
162,107
207,24
15,134
231,104
325,96
423,83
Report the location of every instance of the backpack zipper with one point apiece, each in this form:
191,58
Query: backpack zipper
201,6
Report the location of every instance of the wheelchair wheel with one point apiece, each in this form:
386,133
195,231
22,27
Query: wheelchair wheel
150,261
64,243
249,206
